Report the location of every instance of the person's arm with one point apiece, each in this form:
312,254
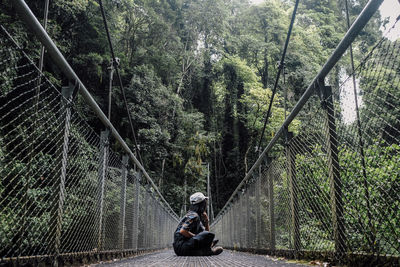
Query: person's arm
186,226
186,233
205,221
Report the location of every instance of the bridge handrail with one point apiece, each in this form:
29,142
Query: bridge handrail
29,18
366,14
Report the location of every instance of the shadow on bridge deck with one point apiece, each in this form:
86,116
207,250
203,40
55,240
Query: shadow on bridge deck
227,258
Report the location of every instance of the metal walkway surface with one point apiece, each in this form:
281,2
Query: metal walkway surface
227,258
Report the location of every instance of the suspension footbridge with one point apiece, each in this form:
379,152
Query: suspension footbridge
329,190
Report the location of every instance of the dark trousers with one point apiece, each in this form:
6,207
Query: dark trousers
199,245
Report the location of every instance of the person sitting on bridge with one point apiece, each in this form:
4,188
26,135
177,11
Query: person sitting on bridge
192,236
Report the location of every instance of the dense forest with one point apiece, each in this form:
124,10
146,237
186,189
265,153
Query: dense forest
197,73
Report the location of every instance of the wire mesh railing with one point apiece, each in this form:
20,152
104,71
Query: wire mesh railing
63,190
330,189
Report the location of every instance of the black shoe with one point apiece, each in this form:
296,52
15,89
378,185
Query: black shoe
217,250
214,242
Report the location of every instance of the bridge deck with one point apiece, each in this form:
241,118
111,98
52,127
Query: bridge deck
227,258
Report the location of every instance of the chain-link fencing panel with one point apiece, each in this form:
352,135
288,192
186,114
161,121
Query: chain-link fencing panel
369,155
63,190
333,186
32,128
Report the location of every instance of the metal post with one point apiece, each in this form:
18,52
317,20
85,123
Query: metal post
334,170
208,190
212,211
165,229
123,201
270,178
146,218
230,226
226,227
248,223
164,220
227,230
103,161
66,98
258,208
234,219
294,203
160,222
156,224
184,198
151,222
135,232
222,233
234,222
156,219
240,220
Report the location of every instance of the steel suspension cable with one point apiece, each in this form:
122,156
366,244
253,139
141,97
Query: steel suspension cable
45,19
359,130
42,52
280,68
114,64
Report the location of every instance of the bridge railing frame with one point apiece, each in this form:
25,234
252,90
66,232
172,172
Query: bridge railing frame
316,88
129,166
